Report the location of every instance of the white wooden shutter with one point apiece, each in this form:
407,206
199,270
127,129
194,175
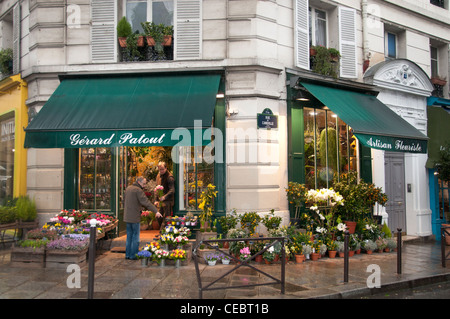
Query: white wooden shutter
16,39
347,42
103,31
188,30
301,33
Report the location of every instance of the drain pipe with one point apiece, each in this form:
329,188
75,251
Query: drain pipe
365,27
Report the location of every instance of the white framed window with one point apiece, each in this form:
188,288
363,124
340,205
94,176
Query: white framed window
157,11
434,61
318,31
390,45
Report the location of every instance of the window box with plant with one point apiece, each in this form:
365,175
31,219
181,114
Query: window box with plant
6,61
158,36
324,60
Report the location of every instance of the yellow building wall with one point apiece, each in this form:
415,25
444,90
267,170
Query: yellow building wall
13,94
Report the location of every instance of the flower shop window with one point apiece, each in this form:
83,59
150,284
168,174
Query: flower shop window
195,173
7,141
329,147
95,179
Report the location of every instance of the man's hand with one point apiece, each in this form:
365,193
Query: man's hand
158,215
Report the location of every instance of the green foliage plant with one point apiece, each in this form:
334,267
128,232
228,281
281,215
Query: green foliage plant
26,209
124,28
6,57
7,215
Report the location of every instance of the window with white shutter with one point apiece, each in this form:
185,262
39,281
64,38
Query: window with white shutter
347,42
188,30
103,31
301,33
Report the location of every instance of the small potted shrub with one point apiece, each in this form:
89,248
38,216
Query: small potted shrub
123,31
369,246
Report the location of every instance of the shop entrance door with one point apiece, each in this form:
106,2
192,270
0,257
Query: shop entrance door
395,190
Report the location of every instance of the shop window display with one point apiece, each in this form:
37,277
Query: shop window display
7,140
330,147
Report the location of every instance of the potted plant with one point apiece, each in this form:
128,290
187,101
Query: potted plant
271,221
26,212
369,246
144,255
160,256
225,259
29,253
250,221
244,253
177,255
157,33
437,80
6,61
332,248
207,204
340,247
211,258
306,250
334,54
391,244
123,31
322,62
269,255
381,244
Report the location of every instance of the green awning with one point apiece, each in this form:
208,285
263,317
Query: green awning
373,123
438,132
126,110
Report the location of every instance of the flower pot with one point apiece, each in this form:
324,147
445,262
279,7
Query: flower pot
351,226
387,250
162,263
144,262
315,256
123,42
332,253
225,261
351,253
267,262
259,259
299,259
226,244
341,254
177,263
212,262
358,251
140,41
369,252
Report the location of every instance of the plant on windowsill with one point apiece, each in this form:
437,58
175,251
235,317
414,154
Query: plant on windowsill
437,80
6,59
158,36
123,31
324,61
131,52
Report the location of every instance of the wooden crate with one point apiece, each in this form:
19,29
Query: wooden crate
28,257
60,259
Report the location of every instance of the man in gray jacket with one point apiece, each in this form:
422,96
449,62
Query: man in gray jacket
134,200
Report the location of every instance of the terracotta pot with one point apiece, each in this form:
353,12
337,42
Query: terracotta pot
341,254
369,252
226,244
299,258
351,226
140,41
259,259
123,42
267,261
351,253
332,253
166,42
358,251
387,250
315,256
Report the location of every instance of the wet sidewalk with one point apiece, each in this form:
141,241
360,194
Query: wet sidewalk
117,278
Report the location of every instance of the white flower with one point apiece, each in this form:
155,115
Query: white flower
321,216
321,230
270,249
341,227
314,207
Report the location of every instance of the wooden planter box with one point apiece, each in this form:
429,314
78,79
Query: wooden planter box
28,257
60,259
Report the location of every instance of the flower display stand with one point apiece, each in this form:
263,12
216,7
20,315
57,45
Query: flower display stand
60,259
28,257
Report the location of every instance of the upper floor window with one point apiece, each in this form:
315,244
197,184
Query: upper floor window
391,45
434,61
439,3
317,27
138,11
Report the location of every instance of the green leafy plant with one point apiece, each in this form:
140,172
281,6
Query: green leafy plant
6,58
158,33
26,209
271,221
228,222
443,167
7,215
124,28
322,61
250,221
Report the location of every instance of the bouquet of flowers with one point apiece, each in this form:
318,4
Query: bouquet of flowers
244,253
167,238
184,231
170,230
178,254
159,191
181,240
160,254
143,254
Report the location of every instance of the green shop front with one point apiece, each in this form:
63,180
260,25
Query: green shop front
333,126
114,128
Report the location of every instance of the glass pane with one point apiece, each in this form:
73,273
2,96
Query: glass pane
310,133
196,177
95,178
321,28
103,179
7,137
162,12
392,50
87,173
322,172
136,13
